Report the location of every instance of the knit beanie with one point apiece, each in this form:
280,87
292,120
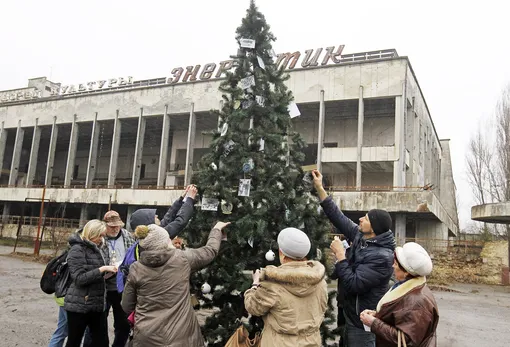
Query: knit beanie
294,243
143,216
153,237
380,221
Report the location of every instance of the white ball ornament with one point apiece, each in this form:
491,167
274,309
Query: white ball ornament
270,255
213,166
206,288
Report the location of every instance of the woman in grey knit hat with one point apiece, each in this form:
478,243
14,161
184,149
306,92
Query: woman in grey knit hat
157,288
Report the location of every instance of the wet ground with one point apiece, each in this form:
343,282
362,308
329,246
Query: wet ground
476,316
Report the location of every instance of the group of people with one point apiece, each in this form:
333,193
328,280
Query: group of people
149,294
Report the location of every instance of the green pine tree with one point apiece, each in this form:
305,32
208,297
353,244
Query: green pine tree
278,197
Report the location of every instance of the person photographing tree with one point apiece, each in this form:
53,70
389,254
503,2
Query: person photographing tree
364,273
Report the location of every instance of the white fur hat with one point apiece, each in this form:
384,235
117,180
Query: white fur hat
293,243
414,259
157,239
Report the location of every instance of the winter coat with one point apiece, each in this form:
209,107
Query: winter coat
367,269
292,300
411,308
87,292
173,222
158,290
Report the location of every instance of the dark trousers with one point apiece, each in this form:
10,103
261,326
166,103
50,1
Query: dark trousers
96,323
120,322
356,337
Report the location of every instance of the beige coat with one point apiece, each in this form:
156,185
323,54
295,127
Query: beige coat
292,300
157,289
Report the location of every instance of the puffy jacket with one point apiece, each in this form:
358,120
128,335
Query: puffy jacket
87,292
366,272
157,290
292,300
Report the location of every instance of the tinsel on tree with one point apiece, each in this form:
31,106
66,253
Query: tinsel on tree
255,142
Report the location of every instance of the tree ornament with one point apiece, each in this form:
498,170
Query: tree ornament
247,43
247,82
226,207
224,129
209,204
248,166
244,187
237,104
270,255
213,166
206,288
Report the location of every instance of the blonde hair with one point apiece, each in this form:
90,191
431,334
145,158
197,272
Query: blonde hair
141,232
93,229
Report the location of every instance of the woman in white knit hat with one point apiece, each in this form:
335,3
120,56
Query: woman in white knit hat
407,314
291,298
157,288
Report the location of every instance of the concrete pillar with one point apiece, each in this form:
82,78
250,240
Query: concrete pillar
137,161
361,119
3,140
190,146
84,215
71,155
171,180
400,228
130,211
51,152
399,164
6,212
91,166
16,154
163,151
34,154
112,173
320,136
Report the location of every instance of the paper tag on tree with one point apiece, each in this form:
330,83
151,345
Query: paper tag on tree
250,242
261,62
246,104
209,204
228,147
244,187
260,100
224,129
247,43
247,82
293,110
261,144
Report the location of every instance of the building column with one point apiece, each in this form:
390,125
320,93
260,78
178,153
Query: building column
16,155
112,173
130,211
171,180
137,161
51,153
6,212
399,164
163,151
361,120
84,215
400,229
320,136
188,173
34,154
91,165
3,141
71,155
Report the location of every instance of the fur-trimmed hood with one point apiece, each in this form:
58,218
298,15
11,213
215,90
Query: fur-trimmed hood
298,277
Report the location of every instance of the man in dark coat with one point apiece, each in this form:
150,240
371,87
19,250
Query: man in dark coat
365,272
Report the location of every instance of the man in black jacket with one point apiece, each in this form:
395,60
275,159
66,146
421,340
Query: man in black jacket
365,272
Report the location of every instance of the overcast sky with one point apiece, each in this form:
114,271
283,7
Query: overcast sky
459,52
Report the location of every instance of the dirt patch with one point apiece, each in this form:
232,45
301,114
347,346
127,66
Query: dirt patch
468,268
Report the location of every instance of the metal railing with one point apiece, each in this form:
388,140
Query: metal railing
46,221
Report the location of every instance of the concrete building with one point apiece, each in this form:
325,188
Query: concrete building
126,142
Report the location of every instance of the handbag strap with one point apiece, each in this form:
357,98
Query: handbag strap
401,339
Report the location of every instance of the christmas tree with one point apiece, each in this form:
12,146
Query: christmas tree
252,176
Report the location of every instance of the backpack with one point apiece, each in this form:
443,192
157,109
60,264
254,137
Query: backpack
49,276
63,281
131,256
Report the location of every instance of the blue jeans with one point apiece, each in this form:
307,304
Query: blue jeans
59,336
356,337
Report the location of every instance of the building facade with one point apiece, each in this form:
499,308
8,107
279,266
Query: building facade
129,143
